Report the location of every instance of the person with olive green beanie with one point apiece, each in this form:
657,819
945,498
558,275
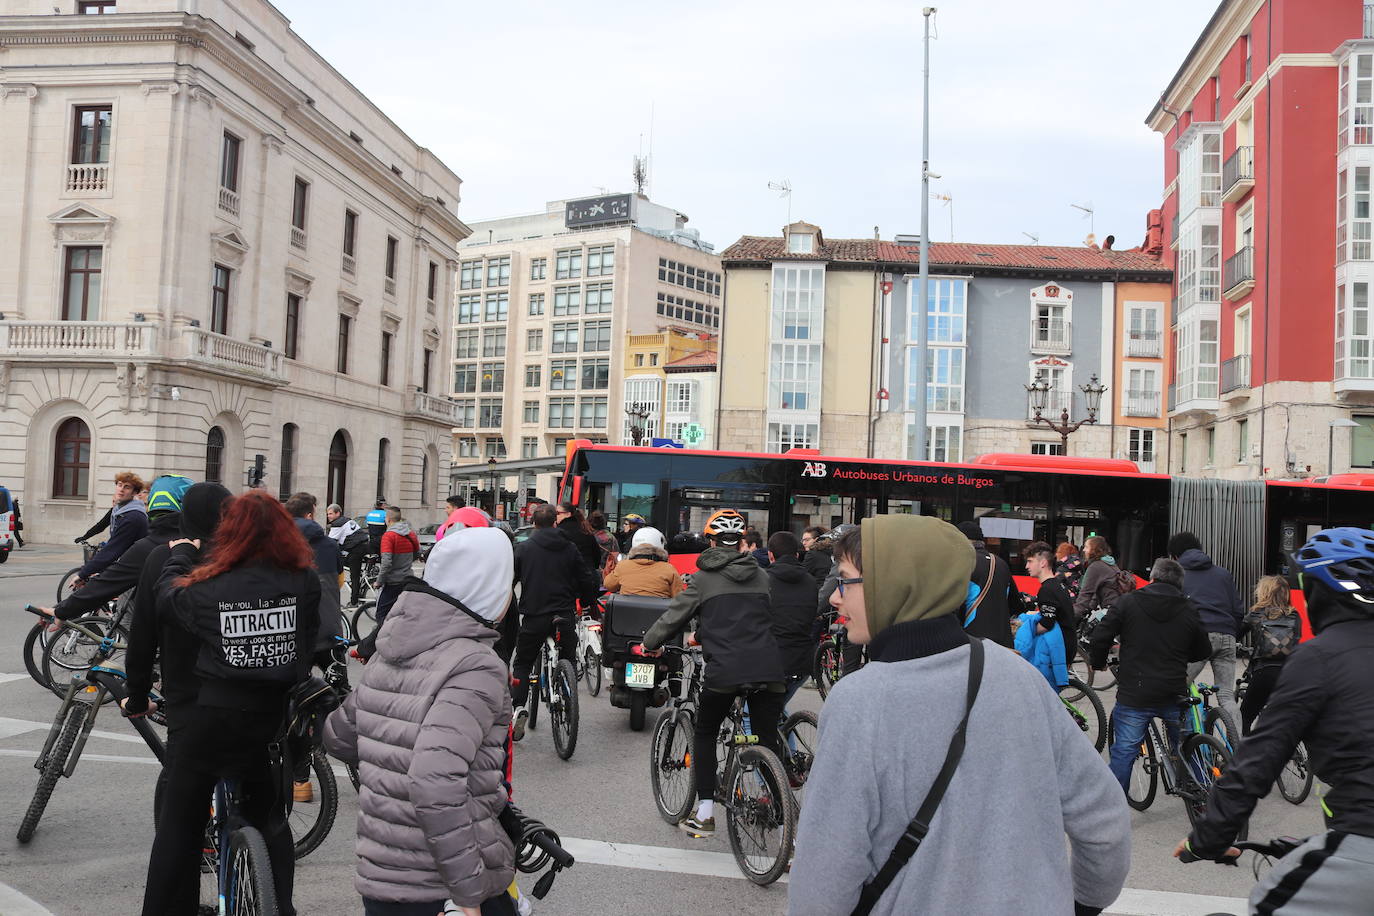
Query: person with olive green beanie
1027,778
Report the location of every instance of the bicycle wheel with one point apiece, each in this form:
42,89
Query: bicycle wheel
248,889
372,573
71,652
591,670
799,734
760,816
1144,781
1295,779
1087,712
1221,725
534,701
563,709
64,586
1083,673
312,820
670,766
34,644
53,768
364,620
828,666
1204,760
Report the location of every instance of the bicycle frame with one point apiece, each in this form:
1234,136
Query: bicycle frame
588,636
91,687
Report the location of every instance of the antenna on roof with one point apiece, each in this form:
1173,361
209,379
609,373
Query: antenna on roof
1035,239
1087,212
785,189
640,174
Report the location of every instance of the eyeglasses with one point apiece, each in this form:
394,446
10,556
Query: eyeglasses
857,580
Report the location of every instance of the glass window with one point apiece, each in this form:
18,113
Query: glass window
465,344
568,264
91,134
432,284
341,345
71,477
945,321
214,455
561,413
680,397
531,412
81,283
498,305
679,308
794,377
383,452
1141,448
596,336
539,268
532,376
536,304
697,278
427,364
466,411
230,148
300,199
489,412
350,233
493,377
288,461
784,436
495,447
469,309
1047,448
565,338
465,378
1361,442
798,307
384,374
600,260
498,271
470,275
598,298
293,326
534,340
800,243
1242,441
563,374
393,247
494,341
592,413
529,447
467,447
567,300
596,373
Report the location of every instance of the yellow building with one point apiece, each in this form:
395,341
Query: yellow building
672,374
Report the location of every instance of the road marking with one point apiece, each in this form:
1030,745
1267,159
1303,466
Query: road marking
6,678
1133,902
12,727
13,903
104,758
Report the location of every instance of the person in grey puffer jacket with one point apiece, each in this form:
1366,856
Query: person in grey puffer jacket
1213,590
427,728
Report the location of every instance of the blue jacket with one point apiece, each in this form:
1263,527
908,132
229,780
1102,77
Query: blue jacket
1043,650
1212,589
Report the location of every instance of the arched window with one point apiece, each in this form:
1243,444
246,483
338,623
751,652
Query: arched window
338,470
71,477
288,459
214,455
383,448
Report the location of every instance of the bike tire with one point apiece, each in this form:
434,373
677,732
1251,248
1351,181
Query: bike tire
249,889
749,818
311,821
1093,721
670,766
534,704
799,741
827,667
70,653
563,709
34,644
591,670
1295,779
1204,759
64,588
52,769
372,574
364,621
639,709
1144,781
1219,723
1080,670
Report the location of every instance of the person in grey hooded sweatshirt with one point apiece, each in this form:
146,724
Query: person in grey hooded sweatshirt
427,729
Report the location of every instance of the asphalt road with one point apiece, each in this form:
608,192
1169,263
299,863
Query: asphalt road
91,850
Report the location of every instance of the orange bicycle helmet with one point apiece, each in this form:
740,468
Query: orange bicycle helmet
725,525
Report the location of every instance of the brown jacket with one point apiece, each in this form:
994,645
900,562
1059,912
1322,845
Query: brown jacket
645,572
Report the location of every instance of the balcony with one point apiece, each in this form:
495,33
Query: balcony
1144,343
229,202
297,238
88,178
1051,335
1235,377
350,265
431,407
1056,403
1238,275
64,340
1238,174
1369,20
233,357
1141,404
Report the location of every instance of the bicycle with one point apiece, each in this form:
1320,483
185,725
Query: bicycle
364,620
589,652
1094,726
555,680
372,572
1216,721
835,655
751,782
1097,680
1295,779
88,550
77,644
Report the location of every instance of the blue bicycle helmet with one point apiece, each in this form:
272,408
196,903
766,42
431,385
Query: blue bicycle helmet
166,493
1342,559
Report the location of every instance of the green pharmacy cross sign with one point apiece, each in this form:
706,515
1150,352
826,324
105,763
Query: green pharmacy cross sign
693,433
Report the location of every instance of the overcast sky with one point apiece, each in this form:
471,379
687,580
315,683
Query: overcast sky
1034,106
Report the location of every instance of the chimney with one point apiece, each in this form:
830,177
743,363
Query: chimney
1108,242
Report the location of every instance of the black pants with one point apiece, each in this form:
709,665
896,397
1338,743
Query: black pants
216,743
386,597
1262,681
354,562
500,905
534,629
765,710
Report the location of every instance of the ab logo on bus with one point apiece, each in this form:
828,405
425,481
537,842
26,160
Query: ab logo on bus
814,469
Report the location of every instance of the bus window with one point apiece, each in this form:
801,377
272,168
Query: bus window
630,499
1013,511
827,511
904,498
1131,513
690,507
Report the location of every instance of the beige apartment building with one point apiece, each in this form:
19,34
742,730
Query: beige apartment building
213,247
545,302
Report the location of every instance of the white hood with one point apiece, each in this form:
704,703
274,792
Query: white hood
476,566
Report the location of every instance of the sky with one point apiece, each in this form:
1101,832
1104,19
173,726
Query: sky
1035,106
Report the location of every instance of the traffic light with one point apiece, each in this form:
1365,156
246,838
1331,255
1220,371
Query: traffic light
258,471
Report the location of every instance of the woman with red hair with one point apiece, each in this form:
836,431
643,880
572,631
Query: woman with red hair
252,605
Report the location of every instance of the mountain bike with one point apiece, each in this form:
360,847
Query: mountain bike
835,655
372,571
589,652
80,643
555,681
1216,721
1295,779
64,585
1085,708
1097,680
364,620
243,866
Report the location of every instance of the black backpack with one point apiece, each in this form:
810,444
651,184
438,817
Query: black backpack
1276,638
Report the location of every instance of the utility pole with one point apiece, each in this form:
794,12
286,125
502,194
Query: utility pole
923,288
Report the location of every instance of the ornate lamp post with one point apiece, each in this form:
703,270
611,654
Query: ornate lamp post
495,492
1039,391
638,412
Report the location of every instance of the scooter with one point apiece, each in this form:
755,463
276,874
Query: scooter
637,682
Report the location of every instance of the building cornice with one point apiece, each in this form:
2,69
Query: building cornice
1224,29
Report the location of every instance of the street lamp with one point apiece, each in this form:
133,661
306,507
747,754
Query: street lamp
495,494
1344,423
638,412
1039,391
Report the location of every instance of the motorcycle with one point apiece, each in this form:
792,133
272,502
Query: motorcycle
637,682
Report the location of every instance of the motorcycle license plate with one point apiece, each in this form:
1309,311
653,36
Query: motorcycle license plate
638,674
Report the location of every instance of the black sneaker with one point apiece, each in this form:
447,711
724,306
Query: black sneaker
702,827
518,732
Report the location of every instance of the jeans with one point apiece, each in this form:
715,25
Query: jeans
1223,671
1128,730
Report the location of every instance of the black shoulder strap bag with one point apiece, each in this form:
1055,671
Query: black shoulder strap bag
918,828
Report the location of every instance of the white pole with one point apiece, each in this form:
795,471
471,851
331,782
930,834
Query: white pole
923,288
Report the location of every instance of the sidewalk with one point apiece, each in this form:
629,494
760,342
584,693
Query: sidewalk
41,560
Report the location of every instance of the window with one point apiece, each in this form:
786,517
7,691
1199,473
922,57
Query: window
299,201
565,338
467,418
532,376
689,310
943,442
469,309
393,247
561,413
493,377
568,264
95,7
426,365
470,275
596,336
230,148
350,238
1354,239
592,413
944,380
1211,446
1361,442
384,376
539,268
1242,441
1047,448
465,378
426,485
567,300
383,452
1356,115
465,344
531,412
800,243
1051,327
489,413
71,475
493,341
798,307
783,436
596,374
639,360
432,284
214,455
1142,392
794,377
337,482
219,300
288,460
1140,448
1354,334
600,260
1142,331
292,336
81,283
498,271
341,347
945,321
529,447
653,359
697,278
563,374
680,397
91,134
534,340
495,447
598,300
467,448
498,305
536,304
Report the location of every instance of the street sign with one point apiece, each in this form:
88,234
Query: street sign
693,433
664,443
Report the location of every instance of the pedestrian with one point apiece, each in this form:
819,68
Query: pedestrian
754,541
18,525
816,557
1068,566
1275,630
426,728
247,660
1212,589
1103,582
792,606
128,524
904,581
610,548
353,541
989,612
1160,633
646,570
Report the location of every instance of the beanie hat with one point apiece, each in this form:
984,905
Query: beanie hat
201,507
916,567
971,530
166,493
476,566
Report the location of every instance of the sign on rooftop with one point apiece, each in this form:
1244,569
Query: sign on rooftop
593,211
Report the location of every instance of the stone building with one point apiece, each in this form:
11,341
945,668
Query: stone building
214,247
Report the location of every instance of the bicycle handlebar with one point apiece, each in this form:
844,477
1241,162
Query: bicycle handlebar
1276,848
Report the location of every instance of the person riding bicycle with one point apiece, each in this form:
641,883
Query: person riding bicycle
628,526
353,542
1160,633
552,577
791,597
128,523
1324,699
646,570
377,523
1056,607
730,594
1275,631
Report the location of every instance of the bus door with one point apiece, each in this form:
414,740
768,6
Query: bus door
827,510
1012,510
690,505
